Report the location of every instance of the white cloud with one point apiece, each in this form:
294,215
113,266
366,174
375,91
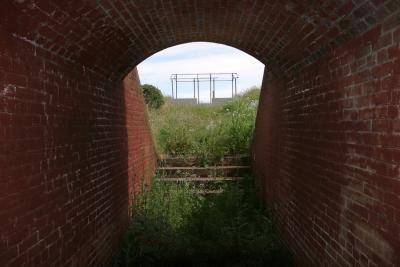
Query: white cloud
200,58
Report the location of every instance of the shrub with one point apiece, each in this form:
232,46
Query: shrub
206,132
173,226
152,96
236,130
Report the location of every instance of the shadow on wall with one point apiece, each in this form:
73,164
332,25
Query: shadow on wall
142,156
326,155
74,146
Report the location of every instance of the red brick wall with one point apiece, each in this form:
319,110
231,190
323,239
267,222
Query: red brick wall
74,146
142,158
327,153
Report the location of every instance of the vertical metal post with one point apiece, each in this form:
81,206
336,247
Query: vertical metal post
176,86
194,88
172,87
210,91
198,90
232,84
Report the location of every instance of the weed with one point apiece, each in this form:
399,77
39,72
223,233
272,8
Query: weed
207,132
173,226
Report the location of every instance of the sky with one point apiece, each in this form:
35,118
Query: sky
200,57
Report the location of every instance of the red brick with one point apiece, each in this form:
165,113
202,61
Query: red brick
396,36
315,151
368,163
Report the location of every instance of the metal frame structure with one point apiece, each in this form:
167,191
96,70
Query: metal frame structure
197,78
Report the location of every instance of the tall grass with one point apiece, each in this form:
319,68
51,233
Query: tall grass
206,132
172,226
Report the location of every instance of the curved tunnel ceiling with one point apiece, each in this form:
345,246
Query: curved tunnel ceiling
112,36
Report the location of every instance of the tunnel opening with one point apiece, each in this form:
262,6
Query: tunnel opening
202,208
326,147
198,131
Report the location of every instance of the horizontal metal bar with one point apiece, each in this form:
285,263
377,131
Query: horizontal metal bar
204,81
205,75
212,73
188,81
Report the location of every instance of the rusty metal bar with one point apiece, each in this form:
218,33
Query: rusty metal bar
197,78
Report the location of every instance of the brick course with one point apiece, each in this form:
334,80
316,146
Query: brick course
327,153
75,147
75,143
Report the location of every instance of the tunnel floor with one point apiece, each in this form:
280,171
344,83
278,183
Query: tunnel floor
76,145
202,208
201,216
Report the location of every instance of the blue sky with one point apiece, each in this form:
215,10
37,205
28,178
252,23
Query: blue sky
200,57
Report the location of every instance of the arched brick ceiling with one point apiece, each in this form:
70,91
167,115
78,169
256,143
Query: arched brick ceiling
112,36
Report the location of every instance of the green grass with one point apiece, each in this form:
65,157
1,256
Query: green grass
206,132
172,226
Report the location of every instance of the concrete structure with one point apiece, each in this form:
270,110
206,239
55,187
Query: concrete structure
219,100
75,143
185,101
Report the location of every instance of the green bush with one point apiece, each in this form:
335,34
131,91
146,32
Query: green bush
152,96
206,132
237,128
172,226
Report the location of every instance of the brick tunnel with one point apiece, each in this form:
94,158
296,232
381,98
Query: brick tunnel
76,145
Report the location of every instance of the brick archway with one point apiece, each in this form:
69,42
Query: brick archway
75,143
114,36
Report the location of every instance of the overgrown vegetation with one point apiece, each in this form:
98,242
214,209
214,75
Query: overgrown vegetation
152,96
207,132
172,226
